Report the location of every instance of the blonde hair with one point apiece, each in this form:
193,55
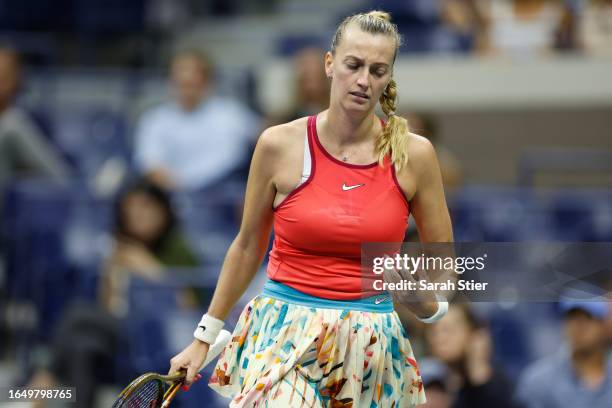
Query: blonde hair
392,141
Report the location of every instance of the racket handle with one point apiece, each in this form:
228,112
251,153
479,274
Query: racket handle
171,393
215,349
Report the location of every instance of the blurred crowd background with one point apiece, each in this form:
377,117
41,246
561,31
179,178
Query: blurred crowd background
126,129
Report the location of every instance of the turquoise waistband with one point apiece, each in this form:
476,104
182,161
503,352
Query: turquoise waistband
375,304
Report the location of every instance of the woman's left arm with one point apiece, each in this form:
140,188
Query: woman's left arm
427,203
421,181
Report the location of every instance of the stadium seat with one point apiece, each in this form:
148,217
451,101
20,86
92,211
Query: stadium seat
288,45
90,136
584,215
486,213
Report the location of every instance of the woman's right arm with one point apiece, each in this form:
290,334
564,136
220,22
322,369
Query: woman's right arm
248,249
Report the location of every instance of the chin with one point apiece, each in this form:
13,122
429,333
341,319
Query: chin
357,108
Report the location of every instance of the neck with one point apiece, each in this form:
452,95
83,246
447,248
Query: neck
590,365
347,129
189,106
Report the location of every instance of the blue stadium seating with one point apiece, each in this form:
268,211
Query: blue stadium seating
522,214
289,44
209,219
35,15
485,213
109,16
581,215
90,136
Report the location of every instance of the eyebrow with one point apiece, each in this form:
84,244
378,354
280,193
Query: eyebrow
378,64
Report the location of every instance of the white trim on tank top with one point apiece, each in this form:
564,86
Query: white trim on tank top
306,167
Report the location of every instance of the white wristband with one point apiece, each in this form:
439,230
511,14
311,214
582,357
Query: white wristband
208,329
442,309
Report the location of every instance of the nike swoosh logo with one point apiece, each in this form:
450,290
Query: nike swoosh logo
203,328
347,188
380,300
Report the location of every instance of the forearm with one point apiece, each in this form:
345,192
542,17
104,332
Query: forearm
240,265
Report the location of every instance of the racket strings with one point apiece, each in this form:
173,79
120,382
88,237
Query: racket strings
146,395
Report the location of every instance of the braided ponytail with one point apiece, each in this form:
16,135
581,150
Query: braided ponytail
392,140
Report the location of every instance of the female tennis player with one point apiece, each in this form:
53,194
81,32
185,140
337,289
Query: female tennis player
316,337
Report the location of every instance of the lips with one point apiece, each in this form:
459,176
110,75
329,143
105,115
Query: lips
360,95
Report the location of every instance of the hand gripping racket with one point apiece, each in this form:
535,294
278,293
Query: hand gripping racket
152,390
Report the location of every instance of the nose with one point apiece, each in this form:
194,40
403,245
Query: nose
362,79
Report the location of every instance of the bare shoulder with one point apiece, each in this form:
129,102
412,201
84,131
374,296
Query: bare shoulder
282,138
422,163
420,147
421,153
280,151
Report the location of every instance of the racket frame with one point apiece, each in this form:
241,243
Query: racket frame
175,379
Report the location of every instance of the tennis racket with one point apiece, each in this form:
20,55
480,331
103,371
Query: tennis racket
152,390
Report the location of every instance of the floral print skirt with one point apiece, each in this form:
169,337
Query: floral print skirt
288,351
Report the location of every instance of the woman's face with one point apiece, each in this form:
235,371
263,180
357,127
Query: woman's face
360,69
144,217
449,338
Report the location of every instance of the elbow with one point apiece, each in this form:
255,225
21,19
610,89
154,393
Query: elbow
250,245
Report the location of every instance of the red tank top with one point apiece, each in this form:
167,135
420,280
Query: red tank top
320,226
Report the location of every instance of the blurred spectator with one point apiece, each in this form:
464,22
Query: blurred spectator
523,28
89,336
435,378
579,375
566,36
311,85
199,138
426,125
464,344
466,19
146,239
23,148
435,26
596,27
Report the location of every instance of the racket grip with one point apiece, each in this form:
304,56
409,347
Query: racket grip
215,349
172,392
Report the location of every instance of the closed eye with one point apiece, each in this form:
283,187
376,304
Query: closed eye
380,72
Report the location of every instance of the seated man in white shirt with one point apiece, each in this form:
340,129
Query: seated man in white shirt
197,139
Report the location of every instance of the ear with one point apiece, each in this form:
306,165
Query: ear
329,64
